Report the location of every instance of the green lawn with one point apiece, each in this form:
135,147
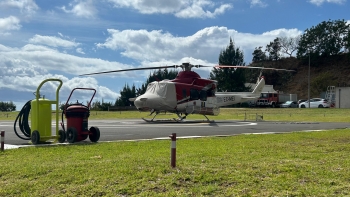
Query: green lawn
293,164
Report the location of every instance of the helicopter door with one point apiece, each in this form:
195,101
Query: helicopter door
193,104
187,98
203,98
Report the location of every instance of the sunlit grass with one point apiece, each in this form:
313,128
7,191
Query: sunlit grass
295,164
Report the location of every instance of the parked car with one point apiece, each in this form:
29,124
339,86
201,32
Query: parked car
315,103
290,104
301,100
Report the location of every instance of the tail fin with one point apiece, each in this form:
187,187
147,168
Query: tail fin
259,85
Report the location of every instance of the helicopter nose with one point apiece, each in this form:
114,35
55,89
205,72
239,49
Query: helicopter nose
150,102
155,102
141,103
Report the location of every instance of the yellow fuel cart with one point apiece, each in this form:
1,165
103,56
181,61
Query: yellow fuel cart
41,117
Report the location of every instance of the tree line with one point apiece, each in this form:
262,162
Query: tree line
7,106
328,38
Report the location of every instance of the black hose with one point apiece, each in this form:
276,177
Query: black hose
62,123
23,121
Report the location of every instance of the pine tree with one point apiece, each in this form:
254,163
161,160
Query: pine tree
230,79
274,49
259,55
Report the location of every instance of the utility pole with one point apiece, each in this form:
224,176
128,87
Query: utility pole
308,94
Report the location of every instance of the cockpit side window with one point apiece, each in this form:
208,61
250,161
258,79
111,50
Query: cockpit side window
210,92
194,94
203,95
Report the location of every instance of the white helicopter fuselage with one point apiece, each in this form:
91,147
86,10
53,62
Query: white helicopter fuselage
159,96
162,96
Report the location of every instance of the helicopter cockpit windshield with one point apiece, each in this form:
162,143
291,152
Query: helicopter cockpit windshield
161,89
160,95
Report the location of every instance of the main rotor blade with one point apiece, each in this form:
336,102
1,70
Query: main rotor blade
254,67
131,69
200,66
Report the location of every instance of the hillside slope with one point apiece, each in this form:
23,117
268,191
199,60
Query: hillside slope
324,72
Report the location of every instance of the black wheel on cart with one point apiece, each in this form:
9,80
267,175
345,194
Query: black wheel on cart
94,135
61,136
35,138
72,135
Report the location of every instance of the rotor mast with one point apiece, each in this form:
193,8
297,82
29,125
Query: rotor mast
188,66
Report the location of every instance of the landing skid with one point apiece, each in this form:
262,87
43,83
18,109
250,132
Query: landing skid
176,121
159,121
181,119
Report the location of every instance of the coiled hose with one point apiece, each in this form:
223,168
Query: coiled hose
23,121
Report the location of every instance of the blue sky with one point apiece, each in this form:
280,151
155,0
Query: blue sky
41,39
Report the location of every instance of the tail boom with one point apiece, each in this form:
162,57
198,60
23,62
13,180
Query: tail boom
230,98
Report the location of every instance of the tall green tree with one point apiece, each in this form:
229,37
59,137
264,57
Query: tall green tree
325,39
125,94
259,54
230,79
274,49
347,43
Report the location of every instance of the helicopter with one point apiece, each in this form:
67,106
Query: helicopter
188,93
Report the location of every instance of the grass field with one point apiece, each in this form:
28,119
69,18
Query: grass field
294,164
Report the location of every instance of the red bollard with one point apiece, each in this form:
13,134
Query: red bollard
2,140
173,150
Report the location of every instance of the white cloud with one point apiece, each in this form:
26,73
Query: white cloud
8,24
23,69
80,50
258,3
196,11
320,2
49,60
88,82
157,45
26,6
84,9
206,44
27,85
52,41
180,8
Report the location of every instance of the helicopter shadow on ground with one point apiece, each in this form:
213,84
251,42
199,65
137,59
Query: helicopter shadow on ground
213,123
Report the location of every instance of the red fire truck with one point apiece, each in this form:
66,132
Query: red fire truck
274,99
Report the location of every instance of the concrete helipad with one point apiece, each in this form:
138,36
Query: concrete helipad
137,129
